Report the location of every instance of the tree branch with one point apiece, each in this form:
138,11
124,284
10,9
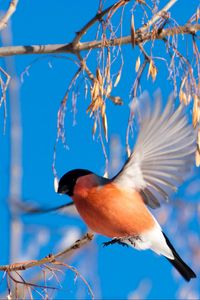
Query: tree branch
11,9
158,15
50,258
69,48
96,18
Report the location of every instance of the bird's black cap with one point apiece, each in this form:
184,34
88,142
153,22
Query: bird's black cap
68,180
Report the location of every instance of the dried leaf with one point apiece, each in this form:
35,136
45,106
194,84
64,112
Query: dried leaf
152,70
132,31
141,1
99,76
188,98
103,109
137,65
90,106
183,97
95,105
117,78
107,73
116,99
105,126
183,82
94,128
95,90
109,89
150,67
99,102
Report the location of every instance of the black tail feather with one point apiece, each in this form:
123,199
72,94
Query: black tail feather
179,264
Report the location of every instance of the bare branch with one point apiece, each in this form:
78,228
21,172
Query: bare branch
69,48
4,87
57,263
140,38
85,67
36,49
50,258
158,15
97,18
11,9
134,93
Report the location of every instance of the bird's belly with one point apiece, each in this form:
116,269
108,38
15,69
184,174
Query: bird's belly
114,213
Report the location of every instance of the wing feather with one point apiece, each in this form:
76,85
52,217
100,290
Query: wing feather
163,154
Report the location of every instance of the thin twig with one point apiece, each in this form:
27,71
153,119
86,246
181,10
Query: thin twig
61,119
11,9
85,67
4,87
27,283
134,95
96,18
57,263
50,258
158,15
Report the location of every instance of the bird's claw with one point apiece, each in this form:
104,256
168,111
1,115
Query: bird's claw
115,241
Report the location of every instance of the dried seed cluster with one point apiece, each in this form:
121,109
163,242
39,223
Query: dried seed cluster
101,91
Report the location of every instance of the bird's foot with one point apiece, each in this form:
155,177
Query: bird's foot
115,241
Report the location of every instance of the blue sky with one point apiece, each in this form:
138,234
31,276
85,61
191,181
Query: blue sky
113,272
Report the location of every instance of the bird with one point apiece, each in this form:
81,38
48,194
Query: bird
120,208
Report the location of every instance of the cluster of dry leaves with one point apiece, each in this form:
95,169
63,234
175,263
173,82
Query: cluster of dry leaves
183,71
100,91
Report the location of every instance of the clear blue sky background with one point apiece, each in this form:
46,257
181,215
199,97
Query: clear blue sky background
117,270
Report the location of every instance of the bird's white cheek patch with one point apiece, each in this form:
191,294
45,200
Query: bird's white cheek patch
56,180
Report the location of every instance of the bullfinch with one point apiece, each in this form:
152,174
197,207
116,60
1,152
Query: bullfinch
118,208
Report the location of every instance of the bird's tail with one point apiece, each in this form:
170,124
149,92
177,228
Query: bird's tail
179,264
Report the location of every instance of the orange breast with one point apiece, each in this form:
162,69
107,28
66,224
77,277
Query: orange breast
112,211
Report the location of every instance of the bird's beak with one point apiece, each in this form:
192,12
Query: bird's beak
62,189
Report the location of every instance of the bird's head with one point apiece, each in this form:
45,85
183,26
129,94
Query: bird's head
68,181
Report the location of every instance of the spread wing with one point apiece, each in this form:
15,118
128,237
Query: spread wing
163,153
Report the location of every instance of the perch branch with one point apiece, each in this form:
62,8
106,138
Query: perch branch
69,48
50,258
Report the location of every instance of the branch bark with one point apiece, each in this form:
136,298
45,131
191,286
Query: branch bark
96,18
50,258
11,9
70,48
